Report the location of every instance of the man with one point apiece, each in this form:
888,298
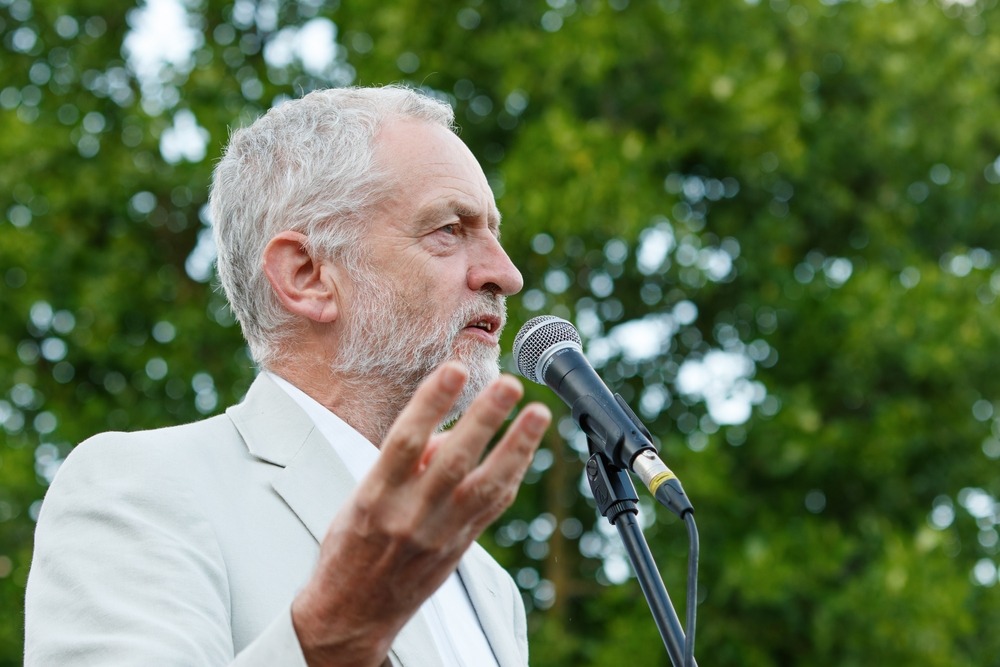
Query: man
359,247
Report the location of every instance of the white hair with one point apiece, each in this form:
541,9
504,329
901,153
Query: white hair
308,166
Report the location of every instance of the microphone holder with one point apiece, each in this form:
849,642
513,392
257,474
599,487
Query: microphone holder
617,500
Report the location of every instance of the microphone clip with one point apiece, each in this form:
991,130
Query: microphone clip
611,486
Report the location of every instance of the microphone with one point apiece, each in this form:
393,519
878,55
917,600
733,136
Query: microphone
548,350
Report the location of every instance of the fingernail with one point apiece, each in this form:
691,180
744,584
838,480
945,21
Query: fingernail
507,394
538,420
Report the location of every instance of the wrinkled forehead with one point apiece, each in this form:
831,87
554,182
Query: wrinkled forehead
423,160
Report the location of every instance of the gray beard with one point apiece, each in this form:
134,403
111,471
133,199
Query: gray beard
390,346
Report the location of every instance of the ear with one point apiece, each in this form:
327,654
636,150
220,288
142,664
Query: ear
304,284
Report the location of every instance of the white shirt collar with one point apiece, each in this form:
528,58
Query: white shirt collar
357,453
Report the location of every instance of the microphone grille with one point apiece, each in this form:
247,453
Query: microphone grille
536,337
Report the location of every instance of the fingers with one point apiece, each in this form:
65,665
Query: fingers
493,486
519,442
484,489
404,445
468,438
452,463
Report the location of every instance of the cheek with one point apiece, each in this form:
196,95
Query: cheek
440,280
431,287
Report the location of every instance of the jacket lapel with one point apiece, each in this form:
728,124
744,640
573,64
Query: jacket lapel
477,571
313,480
315,484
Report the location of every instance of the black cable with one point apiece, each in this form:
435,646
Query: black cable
692,588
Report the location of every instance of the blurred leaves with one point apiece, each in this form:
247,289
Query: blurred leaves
801,195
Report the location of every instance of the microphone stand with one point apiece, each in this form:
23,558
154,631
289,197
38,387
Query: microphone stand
616,499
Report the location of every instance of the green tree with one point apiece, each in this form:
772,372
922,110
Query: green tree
772,223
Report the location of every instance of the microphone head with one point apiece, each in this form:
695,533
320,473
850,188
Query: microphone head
538,340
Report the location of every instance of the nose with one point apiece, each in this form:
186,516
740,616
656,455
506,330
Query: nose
493,271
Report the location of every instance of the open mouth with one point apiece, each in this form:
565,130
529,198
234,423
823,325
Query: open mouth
490,325
485,326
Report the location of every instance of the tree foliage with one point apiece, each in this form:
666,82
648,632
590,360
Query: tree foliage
772,222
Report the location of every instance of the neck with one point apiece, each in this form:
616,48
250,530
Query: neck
369,405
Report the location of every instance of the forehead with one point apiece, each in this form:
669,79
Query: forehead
429,168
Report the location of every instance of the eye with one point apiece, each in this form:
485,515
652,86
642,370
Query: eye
450,230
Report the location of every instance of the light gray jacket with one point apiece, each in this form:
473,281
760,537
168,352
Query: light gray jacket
185,546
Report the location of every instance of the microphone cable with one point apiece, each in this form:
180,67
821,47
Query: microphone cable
694,549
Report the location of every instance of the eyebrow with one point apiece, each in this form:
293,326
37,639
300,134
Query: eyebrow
462,209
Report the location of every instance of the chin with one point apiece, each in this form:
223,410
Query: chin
483,365
483,369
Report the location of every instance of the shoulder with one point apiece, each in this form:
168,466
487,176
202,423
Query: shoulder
155,450
126,560
150,470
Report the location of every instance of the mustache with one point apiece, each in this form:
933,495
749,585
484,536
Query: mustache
484,305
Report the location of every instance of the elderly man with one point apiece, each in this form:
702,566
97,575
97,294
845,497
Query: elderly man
359,248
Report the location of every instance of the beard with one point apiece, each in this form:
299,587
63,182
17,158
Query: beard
392,343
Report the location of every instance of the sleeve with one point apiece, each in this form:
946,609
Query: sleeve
128,571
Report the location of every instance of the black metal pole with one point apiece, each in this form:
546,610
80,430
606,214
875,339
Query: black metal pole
616,499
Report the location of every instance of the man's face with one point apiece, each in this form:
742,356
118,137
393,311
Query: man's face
436,279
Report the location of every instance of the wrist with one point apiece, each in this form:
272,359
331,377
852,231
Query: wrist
332,639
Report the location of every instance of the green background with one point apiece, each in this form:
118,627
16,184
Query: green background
803,195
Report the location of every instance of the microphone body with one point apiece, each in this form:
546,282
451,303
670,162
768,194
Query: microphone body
568,373
548,350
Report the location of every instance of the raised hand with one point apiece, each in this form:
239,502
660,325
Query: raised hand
412,518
